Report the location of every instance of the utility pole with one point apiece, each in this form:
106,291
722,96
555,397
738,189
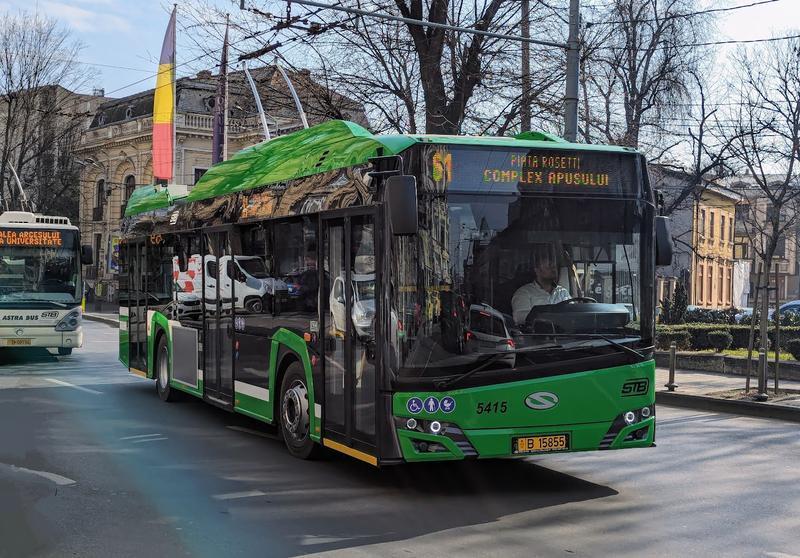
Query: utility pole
525,100
573,59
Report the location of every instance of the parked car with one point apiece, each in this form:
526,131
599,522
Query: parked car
791,306
748,312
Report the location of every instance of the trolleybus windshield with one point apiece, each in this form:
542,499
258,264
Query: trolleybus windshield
39,265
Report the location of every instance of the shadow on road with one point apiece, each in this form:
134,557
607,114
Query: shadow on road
337,502
26,356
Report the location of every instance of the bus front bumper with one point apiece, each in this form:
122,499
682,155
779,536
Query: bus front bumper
47,337
453,443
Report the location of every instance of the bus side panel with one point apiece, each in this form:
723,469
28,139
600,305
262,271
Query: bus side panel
124,347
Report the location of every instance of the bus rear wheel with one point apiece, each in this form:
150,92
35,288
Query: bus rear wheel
165,392
295,418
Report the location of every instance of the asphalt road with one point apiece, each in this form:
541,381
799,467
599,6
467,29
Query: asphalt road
92,463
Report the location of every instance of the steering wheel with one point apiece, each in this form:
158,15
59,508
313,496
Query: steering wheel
576,299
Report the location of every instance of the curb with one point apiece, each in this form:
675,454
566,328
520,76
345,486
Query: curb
747,408
102,319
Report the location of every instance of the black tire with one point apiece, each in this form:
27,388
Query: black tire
65,351
254,305
294,415
162,371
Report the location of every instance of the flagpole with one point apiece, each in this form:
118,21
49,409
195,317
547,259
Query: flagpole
175,98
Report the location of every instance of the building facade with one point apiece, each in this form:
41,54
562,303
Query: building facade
752,216
115,150
703,230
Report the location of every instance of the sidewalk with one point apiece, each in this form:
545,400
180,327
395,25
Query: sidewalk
104,317
700,390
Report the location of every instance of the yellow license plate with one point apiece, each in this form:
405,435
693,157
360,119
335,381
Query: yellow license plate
536,444
19,342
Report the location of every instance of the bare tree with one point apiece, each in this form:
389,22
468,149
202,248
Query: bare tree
40,114
766,143
638,67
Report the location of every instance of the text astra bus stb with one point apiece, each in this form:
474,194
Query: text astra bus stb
405,298
40,282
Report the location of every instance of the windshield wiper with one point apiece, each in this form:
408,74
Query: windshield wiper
34,301
620,346
450,382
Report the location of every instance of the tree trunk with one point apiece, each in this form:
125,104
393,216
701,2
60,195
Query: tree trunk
751,341
777,331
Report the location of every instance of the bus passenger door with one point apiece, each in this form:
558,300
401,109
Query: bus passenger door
218,320
348,310
137,309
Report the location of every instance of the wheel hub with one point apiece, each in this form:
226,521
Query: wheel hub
295,410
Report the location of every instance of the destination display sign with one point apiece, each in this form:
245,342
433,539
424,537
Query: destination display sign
494,170
32,238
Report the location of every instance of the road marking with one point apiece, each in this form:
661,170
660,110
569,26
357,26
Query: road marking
143,440
254,432
67,384
237,495
53,477
140,436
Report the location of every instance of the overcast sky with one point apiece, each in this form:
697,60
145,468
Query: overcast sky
127,34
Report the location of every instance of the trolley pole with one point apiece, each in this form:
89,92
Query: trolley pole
573,59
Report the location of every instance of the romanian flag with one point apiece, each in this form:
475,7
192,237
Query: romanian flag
164,107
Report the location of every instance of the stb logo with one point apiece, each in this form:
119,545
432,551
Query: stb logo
635,387
541,400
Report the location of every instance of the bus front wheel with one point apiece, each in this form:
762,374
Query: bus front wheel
294,413
65,351
165,392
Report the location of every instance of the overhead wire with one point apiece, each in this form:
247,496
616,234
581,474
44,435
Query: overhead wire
685,15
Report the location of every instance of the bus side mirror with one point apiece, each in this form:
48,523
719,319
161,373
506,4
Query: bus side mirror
87,257
401,199
664,246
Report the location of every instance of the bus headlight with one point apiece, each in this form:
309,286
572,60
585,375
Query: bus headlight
70,322
629,417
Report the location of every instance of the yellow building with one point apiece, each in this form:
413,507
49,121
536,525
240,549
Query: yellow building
713,241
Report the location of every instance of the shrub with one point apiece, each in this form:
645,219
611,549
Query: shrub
679,336
793,346
673,311
720,340
699,341
709,316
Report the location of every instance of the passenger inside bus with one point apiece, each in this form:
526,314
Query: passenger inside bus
543,289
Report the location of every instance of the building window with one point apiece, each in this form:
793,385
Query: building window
722,228
730,229
709,284
130,186
702,223
711,224
721,293
729,287
198,174
780,247
700,284
100,193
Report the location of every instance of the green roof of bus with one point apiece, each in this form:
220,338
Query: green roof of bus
331,145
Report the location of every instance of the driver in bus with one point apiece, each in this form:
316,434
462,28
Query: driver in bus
544,289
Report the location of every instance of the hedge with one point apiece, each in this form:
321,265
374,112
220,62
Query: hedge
698,334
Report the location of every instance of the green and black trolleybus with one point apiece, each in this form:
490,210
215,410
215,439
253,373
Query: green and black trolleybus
405,298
